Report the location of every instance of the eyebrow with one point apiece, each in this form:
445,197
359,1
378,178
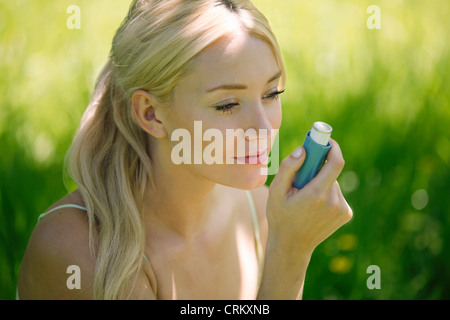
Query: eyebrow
240,86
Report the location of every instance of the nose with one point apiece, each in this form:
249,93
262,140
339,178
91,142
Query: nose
258,120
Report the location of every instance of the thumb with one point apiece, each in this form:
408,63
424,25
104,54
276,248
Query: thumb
282,181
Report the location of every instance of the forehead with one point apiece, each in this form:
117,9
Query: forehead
235,58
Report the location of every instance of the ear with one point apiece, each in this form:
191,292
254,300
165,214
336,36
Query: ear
145,107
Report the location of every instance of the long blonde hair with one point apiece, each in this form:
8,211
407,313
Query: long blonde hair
109,159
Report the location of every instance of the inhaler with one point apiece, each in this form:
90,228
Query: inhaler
317,145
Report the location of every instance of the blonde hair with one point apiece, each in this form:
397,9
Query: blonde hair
109,159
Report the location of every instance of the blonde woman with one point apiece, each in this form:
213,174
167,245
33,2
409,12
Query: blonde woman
140,226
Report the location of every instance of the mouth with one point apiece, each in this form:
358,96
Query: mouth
254,159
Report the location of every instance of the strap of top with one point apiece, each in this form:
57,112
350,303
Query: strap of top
258,245
62,207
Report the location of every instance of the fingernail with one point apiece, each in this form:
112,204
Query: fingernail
297,152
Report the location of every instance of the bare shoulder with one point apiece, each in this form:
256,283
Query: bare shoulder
260,196
58,249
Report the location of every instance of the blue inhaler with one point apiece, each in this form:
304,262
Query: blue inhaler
317,145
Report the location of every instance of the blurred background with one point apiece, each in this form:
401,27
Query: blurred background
385,92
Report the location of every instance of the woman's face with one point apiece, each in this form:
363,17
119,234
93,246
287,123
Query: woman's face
232,87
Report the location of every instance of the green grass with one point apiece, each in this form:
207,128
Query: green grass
385,92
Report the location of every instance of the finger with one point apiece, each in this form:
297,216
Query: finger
331,169
282,181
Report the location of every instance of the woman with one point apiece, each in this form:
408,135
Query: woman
141,226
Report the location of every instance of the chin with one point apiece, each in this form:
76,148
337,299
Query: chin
245,177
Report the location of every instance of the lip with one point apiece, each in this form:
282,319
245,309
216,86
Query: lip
257,159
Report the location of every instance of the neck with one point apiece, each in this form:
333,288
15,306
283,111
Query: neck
179,201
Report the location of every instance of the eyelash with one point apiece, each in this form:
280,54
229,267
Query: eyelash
273,95
228,108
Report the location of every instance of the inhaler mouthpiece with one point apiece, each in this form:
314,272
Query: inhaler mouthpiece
321,133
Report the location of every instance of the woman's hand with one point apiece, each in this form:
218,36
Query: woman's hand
300,219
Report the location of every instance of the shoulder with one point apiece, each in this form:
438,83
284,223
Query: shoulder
58,248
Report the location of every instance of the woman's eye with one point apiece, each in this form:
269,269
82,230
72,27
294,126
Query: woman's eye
273,95
226,108
229,107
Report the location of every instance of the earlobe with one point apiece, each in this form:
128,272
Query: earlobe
144,108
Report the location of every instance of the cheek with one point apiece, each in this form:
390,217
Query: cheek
241,176
178,118
187,120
